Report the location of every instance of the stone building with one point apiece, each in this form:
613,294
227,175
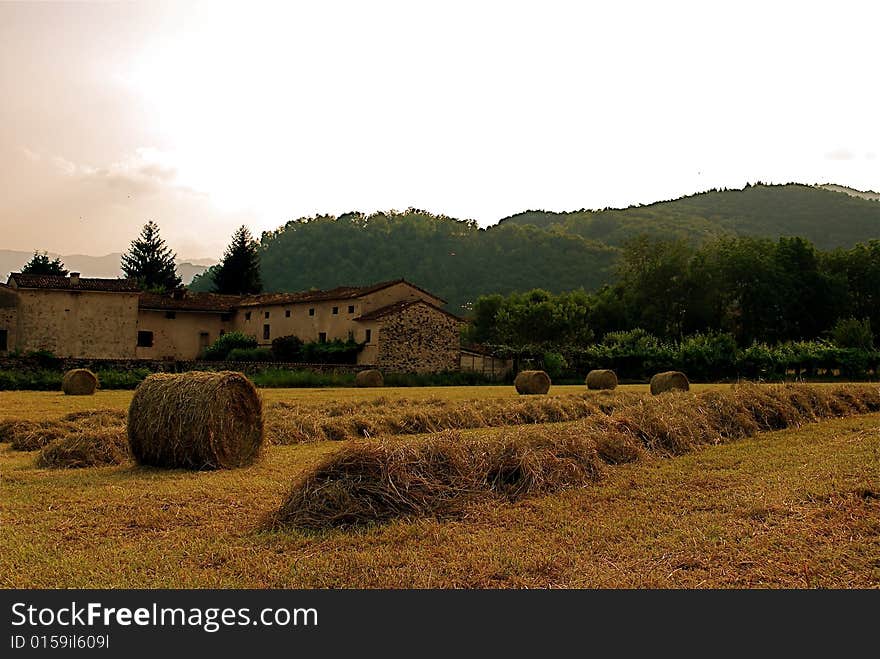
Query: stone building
402,327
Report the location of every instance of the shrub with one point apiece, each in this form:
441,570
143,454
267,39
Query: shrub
287,348
250,355
853,333
220,349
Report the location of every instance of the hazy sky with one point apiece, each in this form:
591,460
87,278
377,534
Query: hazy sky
207,116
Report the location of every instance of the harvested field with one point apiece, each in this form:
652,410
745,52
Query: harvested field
442,475
795,508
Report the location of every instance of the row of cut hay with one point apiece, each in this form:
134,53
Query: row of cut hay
443,474
292,424
79,439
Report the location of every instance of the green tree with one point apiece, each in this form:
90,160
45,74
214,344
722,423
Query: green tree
150,261
853,333
41,264
239,271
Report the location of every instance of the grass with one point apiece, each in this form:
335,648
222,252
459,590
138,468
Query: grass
796,508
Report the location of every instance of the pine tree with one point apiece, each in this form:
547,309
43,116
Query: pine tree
40,264
150,261
239,272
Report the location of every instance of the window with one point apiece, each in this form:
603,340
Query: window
145,339
287,313
4,338
335,310
267,314
322,337
265,332
351,335
247,315
312,311
369,336
204,339
350,308
171,315
222,332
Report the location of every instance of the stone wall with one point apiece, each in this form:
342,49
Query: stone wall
419,339
26,365
82,323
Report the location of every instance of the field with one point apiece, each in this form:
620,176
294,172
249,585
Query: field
794,508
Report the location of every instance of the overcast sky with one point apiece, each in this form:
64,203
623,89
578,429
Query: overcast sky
204,117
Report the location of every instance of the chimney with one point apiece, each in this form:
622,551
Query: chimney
74,279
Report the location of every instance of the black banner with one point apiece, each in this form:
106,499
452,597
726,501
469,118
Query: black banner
398,623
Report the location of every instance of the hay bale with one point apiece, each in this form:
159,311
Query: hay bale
98,448
369,378
79,382
601,379
532,382
669,381
196,420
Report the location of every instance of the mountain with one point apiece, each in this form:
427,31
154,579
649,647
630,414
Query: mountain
821,215
95,266
538,249
870,195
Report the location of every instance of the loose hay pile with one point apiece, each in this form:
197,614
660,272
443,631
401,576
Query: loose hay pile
380,480
79,382
196,420
532,382
101,447
601,379
669,381
369,378
441,476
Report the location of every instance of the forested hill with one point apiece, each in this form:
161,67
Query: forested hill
828,218
555,251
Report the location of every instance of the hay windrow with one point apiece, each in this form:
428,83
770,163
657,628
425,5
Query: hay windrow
101,447
196,420
79,382
443,474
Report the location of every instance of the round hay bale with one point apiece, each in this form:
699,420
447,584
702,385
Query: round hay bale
79,382
669,381
532,382
601,379
369,378
196,420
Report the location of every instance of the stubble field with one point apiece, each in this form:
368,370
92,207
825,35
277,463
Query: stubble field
798,507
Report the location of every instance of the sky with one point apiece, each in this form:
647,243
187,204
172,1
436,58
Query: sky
206,116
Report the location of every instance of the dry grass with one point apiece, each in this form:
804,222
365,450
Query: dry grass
100,447
792,509
443,475
196,420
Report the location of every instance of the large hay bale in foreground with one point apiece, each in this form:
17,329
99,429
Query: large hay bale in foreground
79,382
369,378
196,420
532,382
669,381
601,379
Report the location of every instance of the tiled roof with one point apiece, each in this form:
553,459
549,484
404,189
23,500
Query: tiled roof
190,301
338,293
397,307
57,282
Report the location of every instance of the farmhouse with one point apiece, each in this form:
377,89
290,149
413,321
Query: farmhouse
403,327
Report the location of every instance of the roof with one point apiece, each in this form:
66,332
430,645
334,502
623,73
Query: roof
397,307
60,283
338,293
190,301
